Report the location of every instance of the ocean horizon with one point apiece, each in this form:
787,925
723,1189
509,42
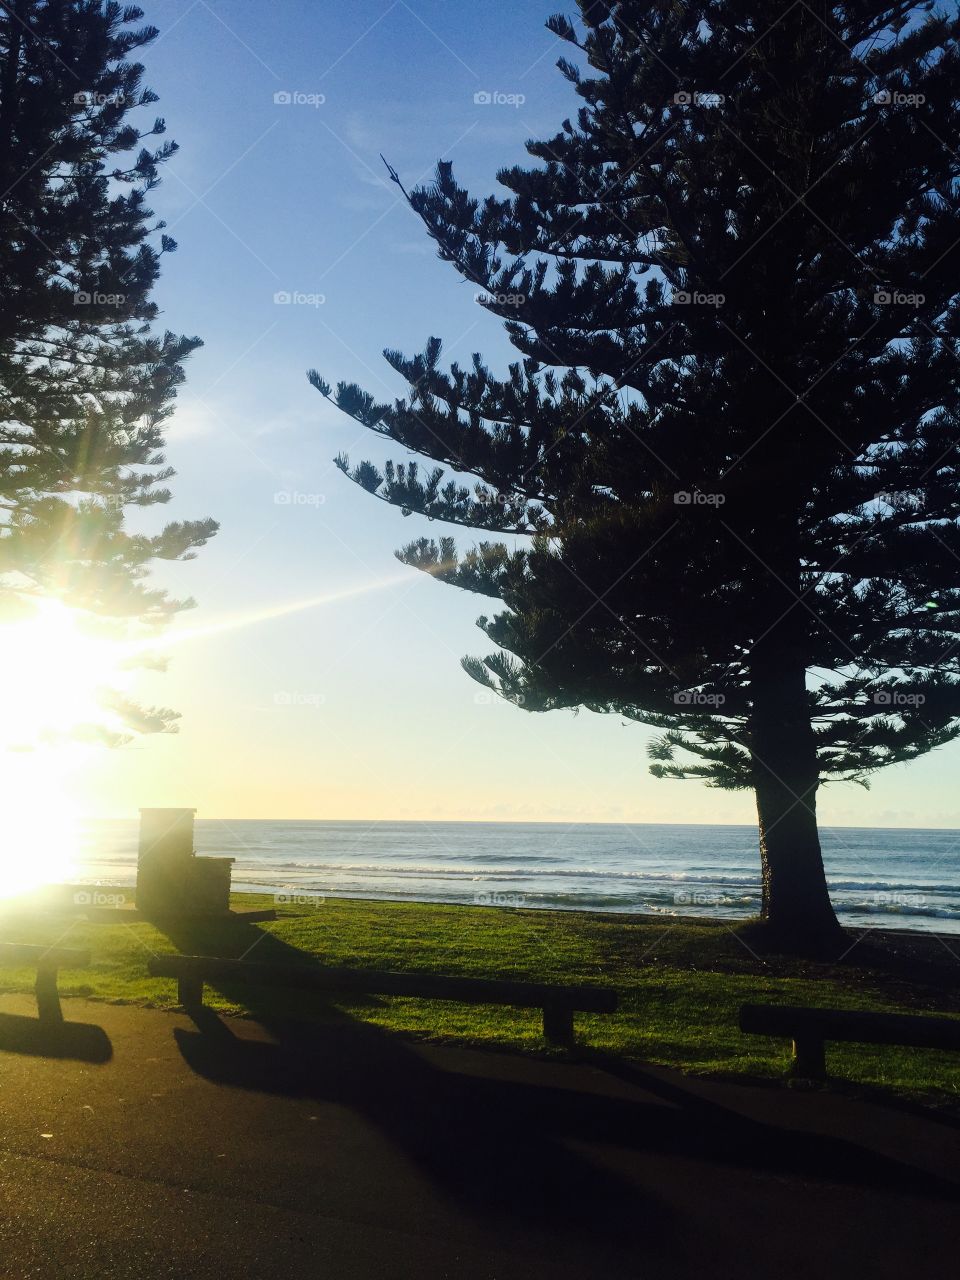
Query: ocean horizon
879,877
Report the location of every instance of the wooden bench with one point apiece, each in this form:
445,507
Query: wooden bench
46,961
557,1002
810,1029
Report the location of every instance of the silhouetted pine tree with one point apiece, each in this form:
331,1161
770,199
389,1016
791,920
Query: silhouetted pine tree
733,435
85,386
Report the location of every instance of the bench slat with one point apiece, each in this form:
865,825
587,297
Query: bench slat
856,1025
531,995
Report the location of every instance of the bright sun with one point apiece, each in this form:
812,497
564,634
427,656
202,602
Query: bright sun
57,668
58,664
60,667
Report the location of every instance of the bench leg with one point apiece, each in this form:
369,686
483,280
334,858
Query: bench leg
809,1059
558,1026
48,997
190,992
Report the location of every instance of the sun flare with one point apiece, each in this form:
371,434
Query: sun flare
60,666
63,666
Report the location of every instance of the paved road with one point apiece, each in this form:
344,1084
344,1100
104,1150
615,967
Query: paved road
156,1148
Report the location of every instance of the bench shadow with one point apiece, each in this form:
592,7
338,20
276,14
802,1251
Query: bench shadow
505,1146
484,1157
473,1138
41,1038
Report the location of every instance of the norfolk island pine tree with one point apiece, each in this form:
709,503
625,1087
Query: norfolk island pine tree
85,385
731,441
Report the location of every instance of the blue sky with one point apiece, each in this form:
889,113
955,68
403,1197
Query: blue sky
357,707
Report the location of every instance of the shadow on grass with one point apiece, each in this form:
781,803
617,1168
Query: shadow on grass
48,1039
915,958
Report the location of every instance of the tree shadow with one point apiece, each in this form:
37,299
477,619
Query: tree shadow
936,1111
927,959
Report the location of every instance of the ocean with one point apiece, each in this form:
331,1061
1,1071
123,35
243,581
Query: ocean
887,878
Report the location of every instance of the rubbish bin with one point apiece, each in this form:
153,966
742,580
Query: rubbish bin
171,880
165,860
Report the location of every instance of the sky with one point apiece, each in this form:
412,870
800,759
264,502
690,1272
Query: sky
346,698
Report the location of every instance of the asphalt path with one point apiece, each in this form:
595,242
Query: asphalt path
137,1143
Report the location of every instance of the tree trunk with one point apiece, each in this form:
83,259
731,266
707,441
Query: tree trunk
796,904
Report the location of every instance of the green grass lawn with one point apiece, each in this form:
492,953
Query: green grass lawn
680,982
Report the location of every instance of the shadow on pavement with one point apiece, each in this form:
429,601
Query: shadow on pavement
487,1160
47,1039
476,1139
502,1145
